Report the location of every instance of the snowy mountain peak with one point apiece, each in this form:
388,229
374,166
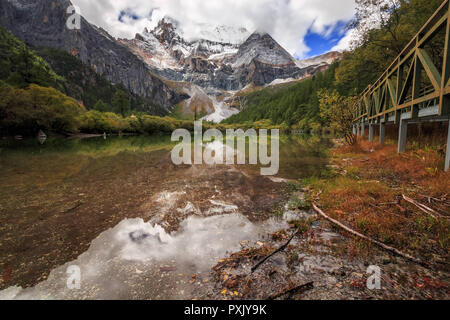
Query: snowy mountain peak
223,34
166,30
218,62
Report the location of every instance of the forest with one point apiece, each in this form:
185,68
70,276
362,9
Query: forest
372,51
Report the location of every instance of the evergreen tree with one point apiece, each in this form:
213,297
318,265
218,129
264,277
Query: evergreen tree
101,106
121,103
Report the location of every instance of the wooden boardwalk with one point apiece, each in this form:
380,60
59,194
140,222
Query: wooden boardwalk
415,87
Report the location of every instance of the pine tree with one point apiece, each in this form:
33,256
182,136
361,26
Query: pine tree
121,103
101,106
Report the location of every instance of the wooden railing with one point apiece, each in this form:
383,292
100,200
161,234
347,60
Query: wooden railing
403,88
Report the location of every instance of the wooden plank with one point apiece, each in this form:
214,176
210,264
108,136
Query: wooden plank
430,68
392,92
407,84
444,103
443,7
433,30
417,79
366,103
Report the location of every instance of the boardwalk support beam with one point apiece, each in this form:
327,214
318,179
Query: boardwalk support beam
447,154
402,134
382,133
370,132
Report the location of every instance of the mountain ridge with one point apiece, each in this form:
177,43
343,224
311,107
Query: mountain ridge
43,24
219,70
223,66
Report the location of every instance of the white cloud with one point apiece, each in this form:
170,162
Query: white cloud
286,20
346,42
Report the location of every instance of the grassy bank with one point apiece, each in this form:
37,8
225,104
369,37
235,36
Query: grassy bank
364,190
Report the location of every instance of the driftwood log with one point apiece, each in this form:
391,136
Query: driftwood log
378,243
423,207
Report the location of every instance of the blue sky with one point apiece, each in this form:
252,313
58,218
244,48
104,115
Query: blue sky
322,43
127,13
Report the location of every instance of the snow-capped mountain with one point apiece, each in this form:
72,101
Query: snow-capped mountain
221,62
215,64
224,34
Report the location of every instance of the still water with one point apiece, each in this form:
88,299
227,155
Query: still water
134,224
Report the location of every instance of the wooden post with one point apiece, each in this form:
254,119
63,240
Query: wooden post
447,154
444,104
362,129
402,134
371,132
382,133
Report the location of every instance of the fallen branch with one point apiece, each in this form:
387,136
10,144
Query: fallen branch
385,211
76,206
378,243
422,207
442,201
284,246
388,203
303,288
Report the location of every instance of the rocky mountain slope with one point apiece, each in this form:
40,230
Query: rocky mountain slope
321,60
259,59
42,23
213,70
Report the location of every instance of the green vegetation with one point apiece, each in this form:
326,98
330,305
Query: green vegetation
34,97
25,76
296,105
375,49
26,110
120,103
84,84
338,111
19,66
98,122
101,106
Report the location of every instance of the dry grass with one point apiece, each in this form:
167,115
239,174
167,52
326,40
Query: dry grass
366,194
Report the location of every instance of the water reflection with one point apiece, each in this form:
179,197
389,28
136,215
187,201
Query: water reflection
59,196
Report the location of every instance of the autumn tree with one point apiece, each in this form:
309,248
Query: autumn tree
26,111
339,111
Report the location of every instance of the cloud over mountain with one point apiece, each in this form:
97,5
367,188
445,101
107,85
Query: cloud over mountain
288,21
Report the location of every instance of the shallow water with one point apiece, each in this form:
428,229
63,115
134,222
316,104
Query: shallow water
136,225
